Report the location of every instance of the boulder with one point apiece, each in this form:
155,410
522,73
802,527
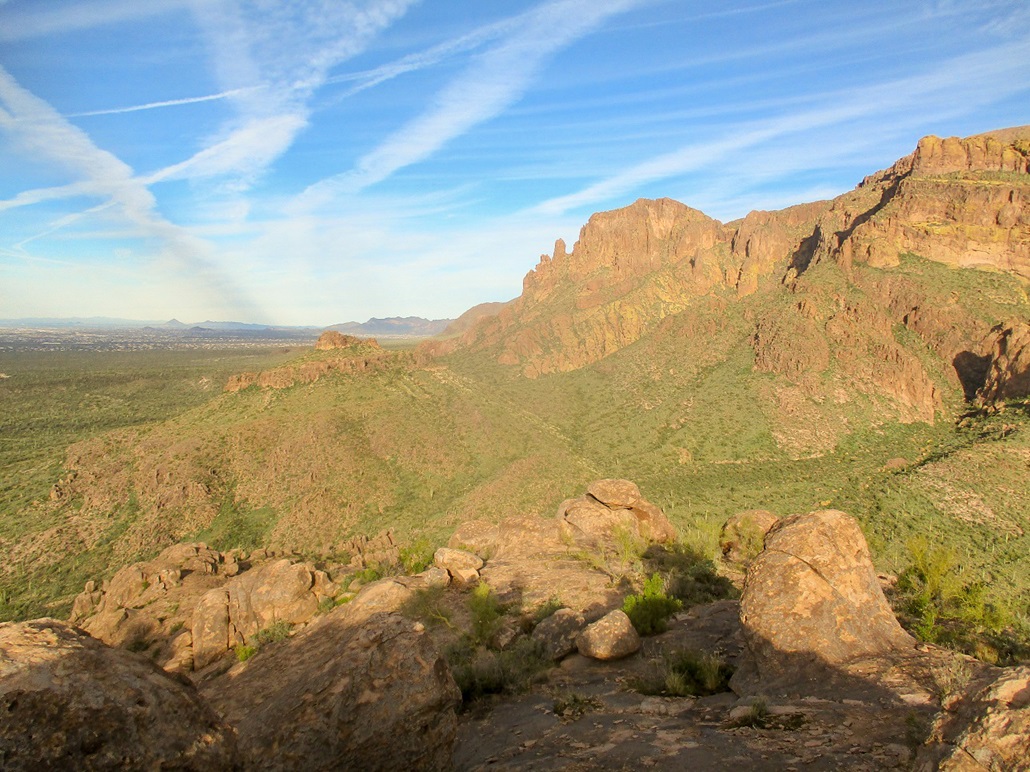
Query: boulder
361,693
454,560
611,637
615,493
989,728
743,535
609,509
382,596
71,702
812,603
557,634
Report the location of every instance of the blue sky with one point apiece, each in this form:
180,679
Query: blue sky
319,161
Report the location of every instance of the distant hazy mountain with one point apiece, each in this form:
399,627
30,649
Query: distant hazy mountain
78,321
406,326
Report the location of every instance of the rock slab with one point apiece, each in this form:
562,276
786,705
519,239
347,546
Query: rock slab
361,692
69,701
988,729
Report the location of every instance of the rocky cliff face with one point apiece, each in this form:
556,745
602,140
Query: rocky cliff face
823,283
962,202
630,269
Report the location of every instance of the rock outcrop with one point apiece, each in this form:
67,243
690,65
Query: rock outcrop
988,727
610,509
1008,372
70,702
743,536
332,339
192,604
962,202
356,356
535,560
812,605
364,693
281,591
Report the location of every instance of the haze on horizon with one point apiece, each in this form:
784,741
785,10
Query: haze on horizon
317,161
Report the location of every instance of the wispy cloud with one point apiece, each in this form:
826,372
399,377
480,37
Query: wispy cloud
26,21
494,80
972,79
269,62
42,131
422,59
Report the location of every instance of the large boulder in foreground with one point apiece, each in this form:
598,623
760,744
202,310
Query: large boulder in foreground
989,728
351,691
69,701
812,603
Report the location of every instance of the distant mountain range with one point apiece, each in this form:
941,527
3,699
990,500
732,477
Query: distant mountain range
406,327
396,326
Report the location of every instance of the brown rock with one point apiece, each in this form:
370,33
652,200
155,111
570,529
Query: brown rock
71,702
331,339
557,634
360,693
743,535
988,729
610,507
280,591
1008,375
611,637
615,493
812,601
453,560
383,596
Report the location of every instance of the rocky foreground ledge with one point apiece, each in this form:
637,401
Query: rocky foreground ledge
358,676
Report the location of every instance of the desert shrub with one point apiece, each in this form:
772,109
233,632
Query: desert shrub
245,652
757,716
686,673
546,609
277,631
417,557
367,575
485,611
690,575
629,548
649,611
479,671
326,605
939,605
426,605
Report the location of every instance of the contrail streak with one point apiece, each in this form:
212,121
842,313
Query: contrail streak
167,103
